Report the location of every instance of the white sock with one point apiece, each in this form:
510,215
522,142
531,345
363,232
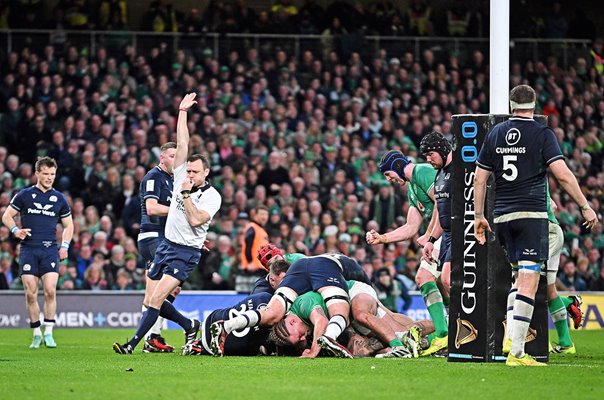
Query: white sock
510,313
37,331
48,325
523,312
335,327
245,320
156,328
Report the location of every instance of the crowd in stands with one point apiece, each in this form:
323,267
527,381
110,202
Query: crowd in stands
299,136
376,17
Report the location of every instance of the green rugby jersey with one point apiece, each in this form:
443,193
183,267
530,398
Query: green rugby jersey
422,181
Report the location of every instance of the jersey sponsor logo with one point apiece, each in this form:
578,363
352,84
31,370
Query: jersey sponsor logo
333,280
41,209
27,267
150,185
512,136
420,206
439,192
53,199
529,252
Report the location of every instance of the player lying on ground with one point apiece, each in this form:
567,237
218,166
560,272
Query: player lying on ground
368,316
246,342
322,274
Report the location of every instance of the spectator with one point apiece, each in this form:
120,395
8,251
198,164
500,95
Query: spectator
570,278
94,277
254,237
387,289
112,15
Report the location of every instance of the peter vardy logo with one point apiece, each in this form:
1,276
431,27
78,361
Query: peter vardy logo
529,252
41,209
512,137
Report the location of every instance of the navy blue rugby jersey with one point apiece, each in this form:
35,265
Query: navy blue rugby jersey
40,211
157,184
442,194
518,151
245,342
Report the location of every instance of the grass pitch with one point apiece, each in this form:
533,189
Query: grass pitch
84,366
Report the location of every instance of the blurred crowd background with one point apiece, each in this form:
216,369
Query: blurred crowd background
299,131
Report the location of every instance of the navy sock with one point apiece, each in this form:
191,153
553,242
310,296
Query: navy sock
168,311
147,321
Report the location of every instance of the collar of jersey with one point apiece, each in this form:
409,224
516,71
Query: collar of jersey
201,189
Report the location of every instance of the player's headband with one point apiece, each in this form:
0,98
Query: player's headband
522,106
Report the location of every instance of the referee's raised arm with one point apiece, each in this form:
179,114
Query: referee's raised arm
182,130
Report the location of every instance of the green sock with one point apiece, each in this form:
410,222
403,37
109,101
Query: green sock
446,301
434,302
395,343
557,310
566,300
431,337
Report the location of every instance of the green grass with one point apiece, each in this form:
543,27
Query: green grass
85,367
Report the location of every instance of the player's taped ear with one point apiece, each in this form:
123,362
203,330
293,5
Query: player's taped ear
394,161
334,295
286,297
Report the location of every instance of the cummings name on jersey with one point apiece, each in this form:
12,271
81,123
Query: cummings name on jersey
510,150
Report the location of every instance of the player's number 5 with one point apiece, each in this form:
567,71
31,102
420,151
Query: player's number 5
511,172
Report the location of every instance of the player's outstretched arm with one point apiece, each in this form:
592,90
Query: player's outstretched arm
481,225
182,130
571,186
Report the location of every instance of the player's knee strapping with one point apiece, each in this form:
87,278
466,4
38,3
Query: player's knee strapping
285,297
530,266
334,295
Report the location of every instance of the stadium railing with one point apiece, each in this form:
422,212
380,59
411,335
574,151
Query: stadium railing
521,49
